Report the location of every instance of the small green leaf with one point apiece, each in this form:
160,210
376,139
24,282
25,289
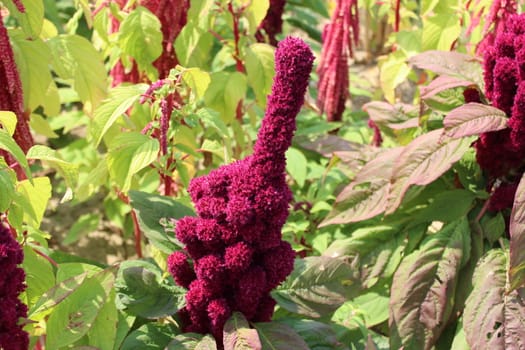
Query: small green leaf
193,45
197,79
140,36
259,63
83,225
41,126
33,198
66,169
255,12
296,165
39,275
239,336
151,336
128,154
8,121
225,92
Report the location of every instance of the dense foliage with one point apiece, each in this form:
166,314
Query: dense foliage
266,206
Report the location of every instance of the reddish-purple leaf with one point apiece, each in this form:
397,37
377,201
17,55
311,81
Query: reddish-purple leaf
398,116
279,336
239,336
326,145
423,288
517,238
474,119
494,318
450,63
422,161
442,83
379,168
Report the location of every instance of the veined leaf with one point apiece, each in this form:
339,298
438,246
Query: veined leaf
33,198
32,19
474,119
317,286
316,335
193,45
128,154
259,62
440,31
192,341
255,12
8,121
150,336
141,38
225,92
394,116
440,84
424,160
239,336
424,285
75,59
279,336
494,317
517,238
197,79
120,99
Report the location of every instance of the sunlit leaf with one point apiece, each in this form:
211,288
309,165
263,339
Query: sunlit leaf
34,196
279,336
517,238
259,62
31,20
474,119
151,336
225,92
8,121
197,79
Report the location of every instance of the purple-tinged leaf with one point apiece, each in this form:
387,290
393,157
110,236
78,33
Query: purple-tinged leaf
494,318
474,119
317,286
517,238
326,145
442,83
422,161
423,288
379,168
398,116
279,336
239,336
192,341
317,335
449,63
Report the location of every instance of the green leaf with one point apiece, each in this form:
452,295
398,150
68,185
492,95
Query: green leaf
225,92
120,99
259,63
424,160
103,332
494,316
238,335
424,286
151,336
447,206
440,31
393,71
211,119
316,335
141,291
296,165
517,238
32,61
193,45
192,341
41,126
8,144
279,336
39,275
74,316
474,119
8,121
32,19
33,199
254,12
153,212
197,79
140,36
317,286
128,154
83,225
7,184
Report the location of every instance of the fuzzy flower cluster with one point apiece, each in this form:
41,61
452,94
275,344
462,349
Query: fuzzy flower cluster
172,15
337,49
12,337
11,96
272,24
235,244
500,154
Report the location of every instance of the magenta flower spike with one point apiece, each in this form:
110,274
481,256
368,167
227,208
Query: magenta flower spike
235,244
12,336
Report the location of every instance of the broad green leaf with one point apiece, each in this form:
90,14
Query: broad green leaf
212,119
32,61
192,341
447,206
316,335
199,13
517,238
317,286
85,224
197,79
494,316
34,196
120,99
151,336
225,92
424,285
32,19
152,210
393,71
474,119
254,11
296,165
103,332
239,336
66,169
279,336
74,316
76,60
141,291
374,307
259,63
193,45
440,31
8,121
140,36
41,126
375,252
424,160
39,275
7,184
128,154
124,324
67,270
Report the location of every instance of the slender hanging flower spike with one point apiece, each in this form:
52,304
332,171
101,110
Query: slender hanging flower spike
272,24
235,244
333,67
12,336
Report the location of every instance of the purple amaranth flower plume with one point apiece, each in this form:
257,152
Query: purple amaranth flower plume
235,243
333,67
12,336
272,24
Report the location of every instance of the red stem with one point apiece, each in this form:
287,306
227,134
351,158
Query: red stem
53,262
398,17
236,36
136,227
